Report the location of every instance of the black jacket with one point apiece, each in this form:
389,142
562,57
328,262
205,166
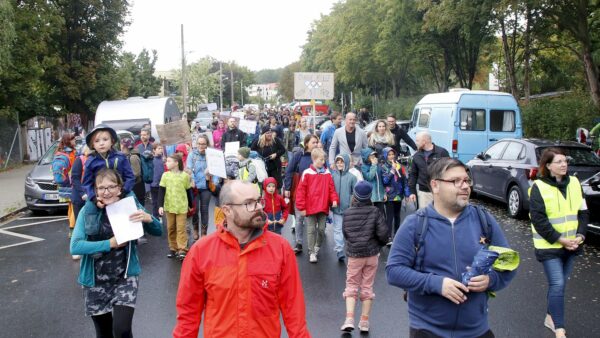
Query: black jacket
539,219
418,169
365,229
399,133
264,152
234,135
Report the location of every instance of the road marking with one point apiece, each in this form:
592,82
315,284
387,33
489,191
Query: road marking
29,239
39,217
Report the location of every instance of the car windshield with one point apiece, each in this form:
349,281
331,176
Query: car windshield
49,155
578,156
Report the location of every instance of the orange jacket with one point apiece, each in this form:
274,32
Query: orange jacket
241,292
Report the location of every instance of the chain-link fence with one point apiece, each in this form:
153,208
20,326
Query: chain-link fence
11,153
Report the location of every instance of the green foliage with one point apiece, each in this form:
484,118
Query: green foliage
286,81
558,118
7,33
137,74
268,75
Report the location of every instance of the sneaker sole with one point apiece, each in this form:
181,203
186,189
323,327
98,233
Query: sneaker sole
348,329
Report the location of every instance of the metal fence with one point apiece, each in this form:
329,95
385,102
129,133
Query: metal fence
11,150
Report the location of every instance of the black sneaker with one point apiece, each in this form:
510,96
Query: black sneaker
181,256
298,249
341,257
171,254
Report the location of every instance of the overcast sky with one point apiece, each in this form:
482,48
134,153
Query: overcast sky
258,34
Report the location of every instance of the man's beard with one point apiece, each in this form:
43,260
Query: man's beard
256,221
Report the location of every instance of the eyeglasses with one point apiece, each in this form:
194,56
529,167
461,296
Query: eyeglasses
111,189
458,182
251,205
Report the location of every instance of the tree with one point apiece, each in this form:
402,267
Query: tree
137,73
7,34
286,80
268,75
87,46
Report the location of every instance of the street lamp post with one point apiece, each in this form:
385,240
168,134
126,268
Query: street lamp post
221,85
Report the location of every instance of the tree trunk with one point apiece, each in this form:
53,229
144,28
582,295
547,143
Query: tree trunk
591,73
508,62
527,53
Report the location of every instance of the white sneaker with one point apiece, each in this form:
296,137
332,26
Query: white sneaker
76,257
549,323
317,250
313,258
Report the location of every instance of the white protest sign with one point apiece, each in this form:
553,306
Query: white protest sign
239,114
215,162
317,86
118,215
247,126
231,148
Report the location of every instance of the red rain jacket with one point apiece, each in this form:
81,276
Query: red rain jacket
316,192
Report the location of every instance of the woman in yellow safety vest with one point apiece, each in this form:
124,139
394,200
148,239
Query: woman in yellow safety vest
559,219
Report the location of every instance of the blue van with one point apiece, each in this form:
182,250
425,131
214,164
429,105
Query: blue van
465,122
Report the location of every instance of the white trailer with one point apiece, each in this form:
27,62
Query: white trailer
133,113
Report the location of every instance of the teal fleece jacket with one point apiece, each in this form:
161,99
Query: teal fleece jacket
344,182
88,223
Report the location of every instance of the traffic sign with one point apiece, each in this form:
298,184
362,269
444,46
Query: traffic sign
313,86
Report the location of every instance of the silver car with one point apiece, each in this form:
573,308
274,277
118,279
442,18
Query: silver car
41,193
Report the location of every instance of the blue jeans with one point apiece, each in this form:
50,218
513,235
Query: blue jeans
557,272
338,235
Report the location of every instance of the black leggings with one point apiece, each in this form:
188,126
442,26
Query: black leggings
392,213
202,203
116,324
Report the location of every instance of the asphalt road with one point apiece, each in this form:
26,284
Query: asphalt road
39,295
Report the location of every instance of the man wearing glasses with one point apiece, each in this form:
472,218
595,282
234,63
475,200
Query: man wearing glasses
449,233
241,277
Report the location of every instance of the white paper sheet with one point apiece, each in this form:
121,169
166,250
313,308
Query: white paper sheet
215,162
239,114
118,215
248,127
231,148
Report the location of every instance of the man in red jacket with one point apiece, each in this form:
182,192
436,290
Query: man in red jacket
242,277
314,196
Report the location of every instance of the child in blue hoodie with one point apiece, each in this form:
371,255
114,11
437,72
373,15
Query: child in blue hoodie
344,182
396,188
101,140
372,172
158,164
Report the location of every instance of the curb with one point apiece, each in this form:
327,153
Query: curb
11,214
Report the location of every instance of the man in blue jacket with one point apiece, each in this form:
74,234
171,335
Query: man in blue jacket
439,305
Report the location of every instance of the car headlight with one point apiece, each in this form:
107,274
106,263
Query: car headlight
29,181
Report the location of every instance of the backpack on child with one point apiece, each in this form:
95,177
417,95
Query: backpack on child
61,167
259,166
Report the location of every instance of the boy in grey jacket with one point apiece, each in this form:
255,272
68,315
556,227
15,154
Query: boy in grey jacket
344,182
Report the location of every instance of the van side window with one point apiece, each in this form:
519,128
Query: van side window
472,119
424,117
502,120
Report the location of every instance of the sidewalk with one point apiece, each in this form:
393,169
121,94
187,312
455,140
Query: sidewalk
12,183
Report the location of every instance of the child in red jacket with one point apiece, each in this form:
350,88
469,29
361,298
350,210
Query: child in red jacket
274,206
314,196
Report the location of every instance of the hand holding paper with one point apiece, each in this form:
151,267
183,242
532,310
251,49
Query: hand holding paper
119,216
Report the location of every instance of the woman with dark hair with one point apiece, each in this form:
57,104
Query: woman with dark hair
300,161
559,218
109,271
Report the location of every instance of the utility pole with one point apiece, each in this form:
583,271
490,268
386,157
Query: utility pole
242,91
231,79
183,77
221,85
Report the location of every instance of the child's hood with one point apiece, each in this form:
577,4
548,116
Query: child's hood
365,153
346,159
386,151
266,182
182,148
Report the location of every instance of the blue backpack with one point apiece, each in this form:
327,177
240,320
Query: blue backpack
61,166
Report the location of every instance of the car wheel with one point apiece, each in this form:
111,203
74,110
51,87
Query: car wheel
515,202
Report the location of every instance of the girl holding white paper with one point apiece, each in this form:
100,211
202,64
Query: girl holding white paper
109,271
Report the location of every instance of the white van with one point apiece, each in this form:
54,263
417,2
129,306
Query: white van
465,122
135,112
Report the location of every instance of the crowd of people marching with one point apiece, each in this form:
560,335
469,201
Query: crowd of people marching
303,176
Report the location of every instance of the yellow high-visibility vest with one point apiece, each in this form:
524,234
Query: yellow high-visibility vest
561,212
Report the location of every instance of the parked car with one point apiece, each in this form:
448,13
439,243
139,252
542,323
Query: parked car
506,170
204,118
41,193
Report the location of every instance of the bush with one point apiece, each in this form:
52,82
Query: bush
558,118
